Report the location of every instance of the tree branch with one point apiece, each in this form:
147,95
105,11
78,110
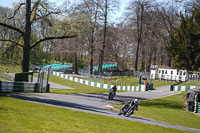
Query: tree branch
51,38
15,12
47,15
6,40
12,27
33,15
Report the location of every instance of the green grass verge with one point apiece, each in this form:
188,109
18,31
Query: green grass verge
11,68
127,81
2,79
78,88
134,81
189,83
19,116
160,83
170,110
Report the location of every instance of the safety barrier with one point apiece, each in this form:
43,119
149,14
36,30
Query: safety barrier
7,86
198,107
181,88
140,87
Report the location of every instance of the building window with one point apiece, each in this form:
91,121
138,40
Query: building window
183,73
171,72
159,71
162,71
180,72
165,71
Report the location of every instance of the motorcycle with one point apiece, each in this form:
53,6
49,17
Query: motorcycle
128,109
111,94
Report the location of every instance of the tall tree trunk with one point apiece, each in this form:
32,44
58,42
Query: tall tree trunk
143,61
169,62
148,68
27,37
91,62
91,52
101,56
76,63
92,42
139,35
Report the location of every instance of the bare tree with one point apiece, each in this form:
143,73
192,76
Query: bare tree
92,10
33,14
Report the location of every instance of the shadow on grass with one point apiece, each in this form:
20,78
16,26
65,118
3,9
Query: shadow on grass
163,104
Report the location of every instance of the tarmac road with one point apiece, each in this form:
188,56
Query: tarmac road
98,103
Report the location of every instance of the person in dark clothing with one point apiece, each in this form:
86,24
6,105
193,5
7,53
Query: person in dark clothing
129,108
7,70
112,92
114,88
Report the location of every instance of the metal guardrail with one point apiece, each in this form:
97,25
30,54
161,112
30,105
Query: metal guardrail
9,86
198,107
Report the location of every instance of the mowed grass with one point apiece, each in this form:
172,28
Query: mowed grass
2,79
18,116
78,88
81,88
11,68
189,83
170,110
160,83
134,81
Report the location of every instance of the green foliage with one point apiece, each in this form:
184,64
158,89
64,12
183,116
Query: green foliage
185,43
10,54
37,54
11,68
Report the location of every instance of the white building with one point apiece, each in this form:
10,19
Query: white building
169,74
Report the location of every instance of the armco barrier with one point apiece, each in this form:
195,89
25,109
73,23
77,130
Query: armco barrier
101,85
6,86
181,88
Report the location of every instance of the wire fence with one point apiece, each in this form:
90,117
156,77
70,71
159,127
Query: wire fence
175,78
114,77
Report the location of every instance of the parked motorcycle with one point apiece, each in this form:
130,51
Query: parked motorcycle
129,108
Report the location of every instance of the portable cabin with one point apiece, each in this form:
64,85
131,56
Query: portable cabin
169,74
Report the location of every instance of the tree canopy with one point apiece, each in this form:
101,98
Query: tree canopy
185,42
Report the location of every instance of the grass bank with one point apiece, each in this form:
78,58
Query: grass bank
127,81
2,79
134,81
11,68
78,88
190,83
19,116
170,110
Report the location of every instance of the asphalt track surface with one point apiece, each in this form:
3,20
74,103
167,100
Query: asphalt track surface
98,103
